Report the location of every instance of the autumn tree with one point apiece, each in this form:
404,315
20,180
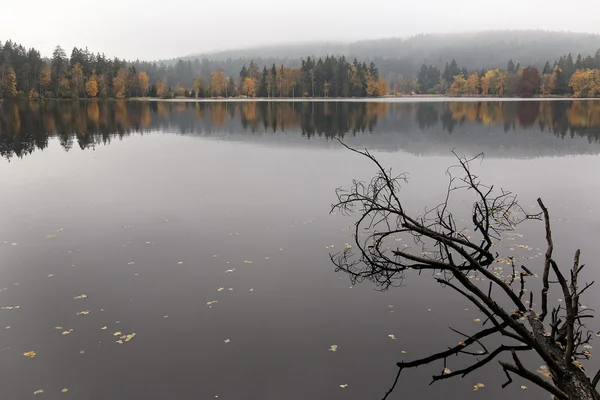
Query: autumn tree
217,83
91,86
530,82
143,82
472,85
179,90
162,89
489,82
586,83
9,83
248,87
120,83
198,85
459,86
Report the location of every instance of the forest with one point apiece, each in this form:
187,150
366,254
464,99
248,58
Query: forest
25,74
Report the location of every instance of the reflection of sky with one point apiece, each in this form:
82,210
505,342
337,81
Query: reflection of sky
189,198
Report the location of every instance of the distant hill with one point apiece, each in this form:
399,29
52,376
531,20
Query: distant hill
479,50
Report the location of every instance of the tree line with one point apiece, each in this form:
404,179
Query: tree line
25,74
566,77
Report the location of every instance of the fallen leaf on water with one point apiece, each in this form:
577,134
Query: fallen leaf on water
267,258
8,327
523,387
333,347
478,386
251,290
477,320
29,354
180,262
215,256
81,351
227,340
446,371
247,262
120,341
230,288
50,275
65,390
39,391
220,289
344,386
83,312
392,336
11,307
81,296
210,303
462,344
104,328
51,236
59,328
67,332
15,243
403,351
119,333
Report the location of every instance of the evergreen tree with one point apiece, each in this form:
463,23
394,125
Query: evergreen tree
263,88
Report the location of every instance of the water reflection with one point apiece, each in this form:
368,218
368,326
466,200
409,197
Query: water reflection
28,125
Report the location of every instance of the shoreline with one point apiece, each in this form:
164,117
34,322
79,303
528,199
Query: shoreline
387,99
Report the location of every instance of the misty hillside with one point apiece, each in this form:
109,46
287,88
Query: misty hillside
474,51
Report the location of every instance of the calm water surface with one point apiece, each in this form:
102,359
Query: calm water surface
145,207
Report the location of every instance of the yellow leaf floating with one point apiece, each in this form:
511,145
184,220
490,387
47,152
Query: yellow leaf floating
210,303
477,320
403,351
478,386
227,340
523,387
50,275
81,296
392,336
344,385
67,332
119,333
247,262
220,289
39,391
446,371
58,328
11,307
180,262
84,312
104,328
29,354
333,347
251,290
65,390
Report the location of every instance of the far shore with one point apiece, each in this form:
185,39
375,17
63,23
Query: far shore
386,99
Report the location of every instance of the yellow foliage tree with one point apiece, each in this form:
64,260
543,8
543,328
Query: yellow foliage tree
459,86
548,84
217,83
198,84
489,82
91,87
120,83
161,88
248,87
371,88
586,83
9,83
501,83
143,80
472,87
382,87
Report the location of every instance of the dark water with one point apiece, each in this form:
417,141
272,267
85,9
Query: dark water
154,202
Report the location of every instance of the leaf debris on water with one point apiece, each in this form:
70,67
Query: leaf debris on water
227,340
210,303
392,336
50,275
83,312
477,320
446,371
81,296
247,262
220,289
333,347
65,390
251,290
523,387
180,262
104,328
478,386
66,332
344,385
11,307
119,333
39,391
29,354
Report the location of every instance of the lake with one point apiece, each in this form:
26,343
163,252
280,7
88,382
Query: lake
204,228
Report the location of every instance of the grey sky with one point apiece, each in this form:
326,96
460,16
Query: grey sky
152,29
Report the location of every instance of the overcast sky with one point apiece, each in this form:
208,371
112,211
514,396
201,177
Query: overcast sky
153,29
